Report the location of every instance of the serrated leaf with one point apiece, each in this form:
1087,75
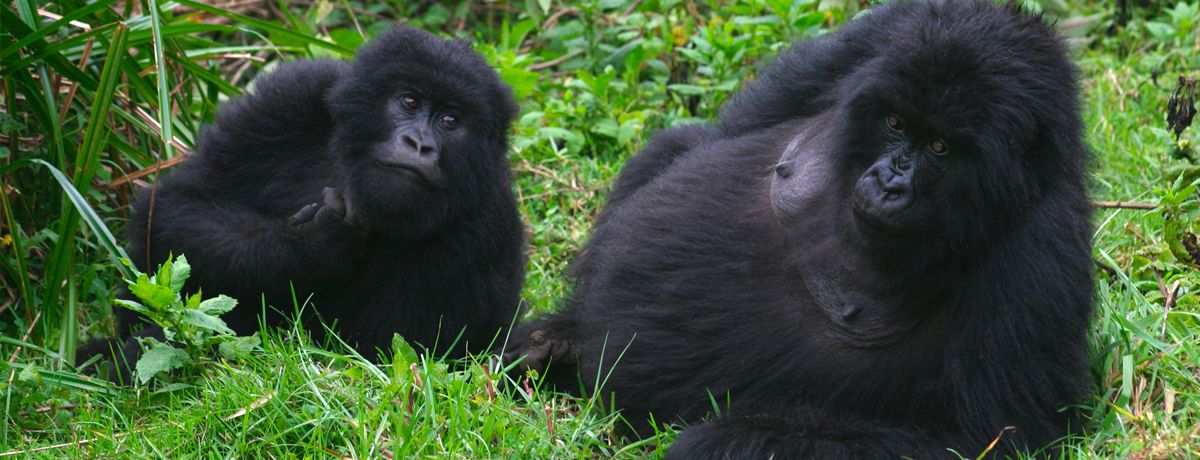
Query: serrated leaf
205,321
163,276
218,305
153,295
29,374
137,307
159,358
193,301
140,278
180,271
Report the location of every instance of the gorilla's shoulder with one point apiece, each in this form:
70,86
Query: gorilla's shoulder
286,108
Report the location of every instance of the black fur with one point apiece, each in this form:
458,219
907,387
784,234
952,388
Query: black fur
286,188
813,268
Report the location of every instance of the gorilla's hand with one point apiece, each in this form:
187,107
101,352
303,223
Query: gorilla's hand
544,341
332,210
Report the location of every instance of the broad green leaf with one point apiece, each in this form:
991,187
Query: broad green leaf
90,217
165,273
348,38
137,307
218,305
193,301
206,321
159,358
606,127
240,347
523,82
29,374
153,295
1159,30
180,271
402,352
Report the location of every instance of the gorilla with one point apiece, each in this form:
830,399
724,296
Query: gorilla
379,188
880,250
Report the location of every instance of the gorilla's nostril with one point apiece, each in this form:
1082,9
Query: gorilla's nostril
410,141
785,169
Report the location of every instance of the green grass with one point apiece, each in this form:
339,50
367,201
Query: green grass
82,97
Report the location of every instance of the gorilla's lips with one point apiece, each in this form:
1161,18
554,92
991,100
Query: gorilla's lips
405,168
878,208
884,194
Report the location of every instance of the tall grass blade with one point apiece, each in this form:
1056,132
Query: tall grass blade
96,135
164,89
267,26
18,247
93,221
53,27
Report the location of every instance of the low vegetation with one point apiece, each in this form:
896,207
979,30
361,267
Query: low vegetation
99,98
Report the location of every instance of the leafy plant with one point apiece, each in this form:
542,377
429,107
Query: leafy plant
191,325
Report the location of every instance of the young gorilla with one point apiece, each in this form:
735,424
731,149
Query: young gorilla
881,250
380,187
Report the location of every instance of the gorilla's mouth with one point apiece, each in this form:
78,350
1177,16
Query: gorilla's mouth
874,222
405,168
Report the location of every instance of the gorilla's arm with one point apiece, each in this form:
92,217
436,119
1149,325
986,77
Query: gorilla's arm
244,251
216,208
802,81
803,434
658,155
1035,280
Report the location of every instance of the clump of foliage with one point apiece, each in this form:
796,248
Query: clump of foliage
191,325
110,93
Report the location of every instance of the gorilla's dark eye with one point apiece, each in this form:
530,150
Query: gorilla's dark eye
939,147
449,120
895,123
411,102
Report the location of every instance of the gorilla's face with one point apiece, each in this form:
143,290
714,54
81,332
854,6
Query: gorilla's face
936,142
422,133
879,175
882,172
419,131
400,176
898,192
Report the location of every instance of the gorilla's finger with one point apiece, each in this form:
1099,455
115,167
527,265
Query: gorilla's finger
304,215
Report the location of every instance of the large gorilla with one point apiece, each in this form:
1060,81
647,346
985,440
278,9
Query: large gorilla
881,250
380,188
